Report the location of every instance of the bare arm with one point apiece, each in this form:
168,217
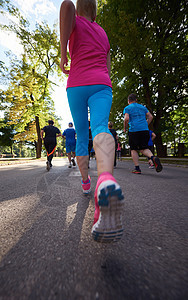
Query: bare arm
41,134
153,136
67,23
126,121
109,63
149,117
59,134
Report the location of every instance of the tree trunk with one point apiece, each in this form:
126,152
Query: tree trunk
161,149
158,140
39,140
181,150
147,94
38,143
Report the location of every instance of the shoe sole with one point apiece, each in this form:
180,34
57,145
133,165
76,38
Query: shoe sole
86,191
109,228
157,164
136,172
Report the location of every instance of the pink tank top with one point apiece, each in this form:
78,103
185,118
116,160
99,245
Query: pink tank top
88,48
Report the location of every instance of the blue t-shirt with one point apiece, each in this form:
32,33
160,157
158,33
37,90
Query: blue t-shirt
150,143
70,133
137,117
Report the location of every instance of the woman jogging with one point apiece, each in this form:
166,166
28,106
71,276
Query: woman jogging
89,85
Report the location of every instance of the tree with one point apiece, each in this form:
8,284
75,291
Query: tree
148,49
6,134
29,103
176,127
29,80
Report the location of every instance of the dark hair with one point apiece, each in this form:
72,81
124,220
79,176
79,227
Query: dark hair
70,124
51,122
110,124
132,97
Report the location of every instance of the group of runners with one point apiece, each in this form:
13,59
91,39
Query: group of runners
89,86
50,142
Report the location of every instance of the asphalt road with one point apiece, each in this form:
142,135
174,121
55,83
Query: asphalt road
47,251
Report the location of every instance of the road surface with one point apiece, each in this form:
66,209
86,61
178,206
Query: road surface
47,251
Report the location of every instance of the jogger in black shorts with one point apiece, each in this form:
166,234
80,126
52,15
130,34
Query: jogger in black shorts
138,118
50,142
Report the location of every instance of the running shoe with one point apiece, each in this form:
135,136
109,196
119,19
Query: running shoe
157,164
109,203
151,166
73,162
70,166
86,186
136,171
48,166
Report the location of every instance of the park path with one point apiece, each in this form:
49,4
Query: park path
46,247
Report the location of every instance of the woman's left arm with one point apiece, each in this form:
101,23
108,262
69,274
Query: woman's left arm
109,63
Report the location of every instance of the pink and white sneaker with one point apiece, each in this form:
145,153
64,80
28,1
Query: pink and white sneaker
109,203
86,185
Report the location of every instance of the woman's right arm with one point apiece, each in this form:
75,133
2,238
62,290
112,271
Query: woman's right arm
67,23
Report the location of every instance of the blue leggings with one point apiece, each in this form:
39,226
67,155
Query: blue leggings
99,100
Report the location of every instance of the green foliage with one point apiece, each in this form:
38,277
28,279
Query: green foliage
149,54
6,134
28,96
18,150
176,126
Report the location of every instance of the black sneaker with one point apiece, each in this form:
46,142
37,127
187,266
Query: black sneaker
73,162
70,166
136,171
48,166
157,164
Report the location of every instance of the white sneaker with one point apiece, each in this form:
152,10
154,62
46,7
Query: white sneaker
108,228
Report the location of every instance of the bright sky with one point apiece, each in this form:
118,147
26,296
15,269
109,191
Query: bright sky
37,11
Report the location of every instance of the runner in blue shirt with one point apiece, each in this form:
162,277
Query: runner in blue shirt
70,135
138,117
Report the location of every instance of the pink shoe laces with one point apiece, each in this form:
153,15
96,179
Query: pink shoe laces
103,177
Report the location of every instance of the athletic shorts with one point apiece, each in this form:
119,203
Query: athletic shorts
50,146
70,147
139,140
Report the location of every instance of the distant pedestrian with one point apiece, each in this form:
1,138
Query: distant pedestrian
152,136
119,151
50,141
138,117
115,136
70,135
